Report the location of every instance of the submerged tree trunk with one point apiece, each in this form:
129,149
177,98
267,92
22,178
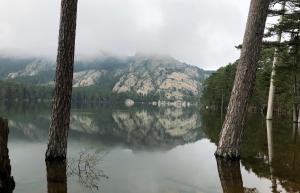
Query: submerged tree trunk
270,109
299,117
295,112
60,117
232,130
295,105
269,124
230,176
295,88
57,176
7,183
270,140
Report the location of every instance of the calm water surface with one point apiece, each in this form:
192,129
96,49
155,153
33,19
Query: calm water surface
150,150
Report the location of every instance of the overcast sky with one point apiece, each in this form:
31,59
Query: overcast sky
198,32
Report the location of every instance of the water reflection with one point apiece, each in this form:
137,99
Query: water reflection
56,177
231,177
87,170
268,150
153,150
164,128
284,167
7,183
269,124
84,167
137,128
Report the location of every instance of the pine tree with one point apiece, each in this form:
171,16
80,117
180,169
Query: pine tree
60,117
232,131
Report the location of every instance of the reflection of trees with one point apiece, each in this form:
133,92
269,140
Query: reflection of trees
7,183
268,152
231,178
56,177
86,168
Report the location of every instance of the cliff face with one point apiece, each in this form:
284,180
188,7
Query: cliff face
162,76
140,74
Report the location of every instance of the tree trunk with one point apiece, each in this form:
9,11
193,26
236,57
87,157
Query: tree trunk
269,124
60,117
56,176
232,130
7,183
272,87
295,113
299,117
270,140
295,88
230,176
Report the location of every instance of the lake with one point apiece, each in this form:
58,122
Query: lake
150,150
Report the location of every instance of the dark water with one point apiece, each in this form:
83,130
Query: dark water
150,150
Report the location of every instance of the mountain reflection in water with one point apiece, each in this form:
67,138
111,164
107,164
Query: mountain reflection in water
151,150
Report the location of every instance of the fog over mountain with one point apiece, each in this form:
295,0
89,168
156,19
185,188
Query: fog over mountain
202,33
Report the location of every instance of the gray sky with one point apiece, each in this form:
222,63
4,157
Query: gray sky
199,32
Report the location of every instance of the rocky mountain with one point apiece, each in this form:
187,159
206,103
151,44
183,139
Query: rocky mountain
139,74
32,69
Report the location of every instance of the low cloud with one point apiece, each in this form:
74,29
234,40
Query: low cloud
198,32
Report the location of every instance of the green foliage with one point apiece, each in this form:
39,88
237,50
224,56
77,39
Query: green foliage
13,91
219,85
287,69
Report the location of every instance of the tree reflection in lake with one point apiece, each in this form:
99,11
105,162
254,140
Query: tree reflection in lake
231,177
56,176
7,183
268,150
269,125
156,150
137,128
86,168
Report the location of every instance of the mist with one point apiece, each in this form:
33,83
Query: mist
202,33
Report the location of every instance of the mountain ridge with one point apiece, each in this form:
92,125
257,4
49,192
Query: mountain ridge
140,74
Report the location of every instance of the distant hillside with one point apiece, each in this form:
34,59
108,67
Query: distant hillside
140,75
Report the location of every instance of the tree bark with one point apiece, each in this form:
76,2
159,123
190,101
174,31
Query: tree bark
57,176
230,176
270,109
299,118
232,130
60,117
7,183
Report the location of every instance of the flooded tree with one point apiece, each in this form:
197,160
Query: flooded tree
60,117
7,183
57,176
232,130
